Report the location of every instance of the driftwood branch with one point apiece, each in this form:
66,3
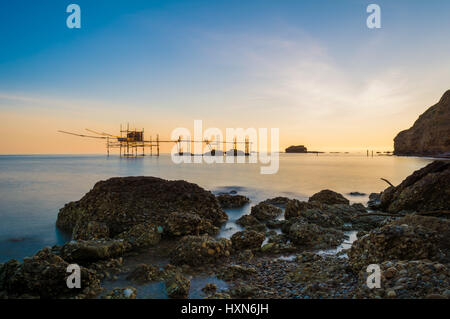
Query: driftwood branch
384,179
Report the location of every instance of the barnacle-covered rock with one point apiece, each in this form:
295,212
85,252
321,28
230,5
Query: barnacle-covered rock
247,239
44,275
123,202
232,201
264,211
198,250
328,197
410,238
184,223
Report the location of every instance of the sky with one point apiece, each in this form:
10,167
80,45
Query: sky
310,68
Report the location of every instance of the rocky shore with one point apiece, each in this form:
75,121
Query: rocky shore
129,233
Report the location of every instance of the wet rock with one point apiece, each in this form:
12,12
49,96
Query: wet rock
398,241
427,189
328,197
145,273
122,293
177,286
305,234
247,221
245,291
198,250
219,295
232,201
104,268
277,201
210,288
245,255
235,271
264,211
92,231
294,208
181,224
278,244
322,218
93,250
408,279
374,200
141,235
247,239
123,202
43,275
275,224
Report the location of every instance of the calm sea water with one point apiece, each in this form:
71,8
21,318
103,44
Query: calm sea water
34,188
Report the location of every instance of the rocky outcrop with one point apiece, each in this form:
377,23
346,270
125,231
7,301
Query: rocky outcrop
232,201
328,197
177,286
311,235
296,149
248,221
182,224
408,279
409,238
141,235
44,275
122,293
427,189
145,273
265,212
199,250
93,250
430,134
120,203
235,271
247,239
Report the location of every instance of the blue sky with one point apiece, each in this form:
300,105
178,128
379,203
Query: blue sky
312,68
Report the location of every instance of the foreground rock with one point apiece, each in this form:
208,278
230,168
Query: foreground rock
93,250
177,286
232,201
247,239
410,238
332,216
328,197
181,224
265,212
409,279
44,275
430,134
199,250
311,235
141,235
427,189
118,204
122,293
145,273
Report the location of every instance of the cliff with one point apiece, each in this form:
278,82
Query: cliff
430,134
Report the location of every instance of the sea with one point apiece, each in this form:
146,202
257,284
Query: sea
34,187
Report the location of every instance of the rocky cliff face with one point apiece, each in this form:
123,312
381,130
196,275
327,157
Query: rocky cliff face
430,134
